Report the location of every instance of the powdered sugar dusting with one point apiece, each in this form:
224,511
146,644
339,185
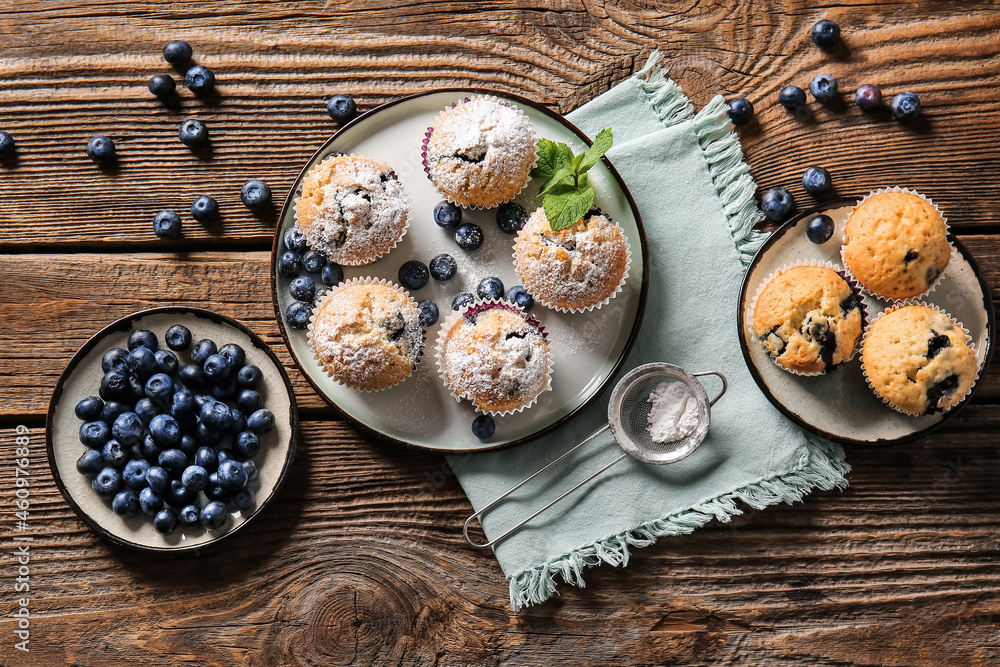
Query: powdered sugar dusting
673,412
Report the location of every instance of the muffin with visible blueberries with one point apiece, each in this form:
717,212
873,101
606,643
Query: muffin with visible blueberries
480,152
573,269
367,334
895,244
352,209
492,354
808,318
918,360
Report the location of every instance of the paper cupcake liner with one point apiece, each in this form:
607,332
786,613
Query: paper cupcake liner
371,257
340,287
600,304
437,120
851,281
952,258
478,306
968,341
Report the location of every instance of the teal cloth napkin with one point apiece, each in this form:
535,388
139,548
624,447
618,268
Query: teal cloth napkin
686,173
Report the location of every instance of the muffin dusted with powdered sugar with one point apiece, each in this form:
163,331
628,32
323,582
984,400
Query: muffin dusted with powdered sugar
352,209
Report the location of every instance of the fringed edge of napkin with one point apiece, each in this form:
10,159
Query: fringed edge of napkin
823,467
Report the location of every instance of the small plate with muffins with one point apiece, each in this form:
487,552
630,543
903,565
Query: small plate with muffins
878,335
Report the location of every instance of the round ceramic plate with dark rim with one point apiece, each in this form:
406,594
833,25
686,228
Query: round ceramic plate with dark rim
839,405
82,378
589,348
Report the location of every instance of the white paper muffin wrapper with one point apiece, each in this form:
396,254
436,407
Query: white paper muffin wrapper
372,257
340,287
437,121
851,281
596,306
947,231
454,317
968,341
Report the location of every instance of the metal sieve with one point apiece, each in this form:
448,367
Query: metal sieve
628,410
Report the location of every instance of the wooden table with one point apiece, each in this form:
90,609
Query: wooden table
360,560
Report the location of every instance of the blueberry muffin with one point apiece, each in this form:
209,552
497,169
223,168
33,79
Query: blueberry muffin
808,319
495,356
576,268
918,360
895,244
352,209
367,335
479,152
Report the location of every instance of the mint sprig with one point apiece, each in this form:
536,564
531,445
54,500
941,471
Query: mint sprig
567,193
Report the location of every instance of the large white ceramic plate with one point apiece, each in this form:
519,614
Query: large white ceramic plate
82,378
839,405
588,347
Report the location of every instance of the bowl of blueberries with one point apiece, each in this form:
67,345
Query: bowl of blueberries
171,429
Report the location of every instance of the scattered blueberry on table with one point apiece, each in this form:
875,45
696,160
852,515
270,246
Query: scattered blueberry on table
443,267
167,224
816,180
868,97
205,209
177,52
447,215
342,108
819,229
511,217
791,97
7,145
200,80
162,85
777,203
101,149
740,111
826,34
469,236
905,106
413,274
483,427
824,88
193,133
490,287
255,194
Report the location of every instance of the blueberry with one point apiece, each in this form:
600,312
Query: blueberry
905,106
162,85
200,80
225,390
232,476
490,287
107,483
115,384
177,494
791,97
166,362
141,362
249,376
234,354
193,133
167,224
216,368
825,33
127,429
205,209
511,217
816,180
177,52
115,454
429,313
255,194
214,491
90,462
413,274
206,458
125,504
213,515
165,430
216,416
149,449
251,469
158,479
824,88
146,409
740,111
469,236
868,97
249,401
443,268
302,288
143,338
483,427
188,444
165,521
178,337
115,359
246,444
202,350
777,203
297,315
111,411
7,146
134,474
290,263
462,299
174,461
819,229
192,376
160,388
243,499
150,501
261,421
89,409
195,477
520,298
225,454
295,240
447,215
341,108
201,399
313,261
189,516
101,149
331,274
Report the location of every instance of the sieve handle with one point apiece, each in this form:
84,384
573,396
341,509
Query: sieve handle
725,385
478,515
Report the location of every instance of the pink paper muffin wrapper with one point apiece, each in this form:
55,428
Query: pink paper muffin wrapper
352,283
947,229
476,306
968,341
851,281
437,120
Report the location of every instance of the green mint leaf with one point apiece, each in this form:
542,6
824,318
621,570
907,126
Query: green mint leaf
558,178
565,206
552,157
601,146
